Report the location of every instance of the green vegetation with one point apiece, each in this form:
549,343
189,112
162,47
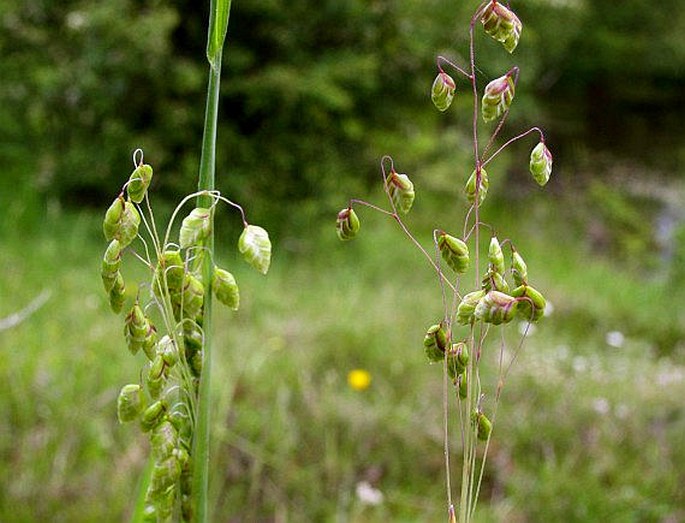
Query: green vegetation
592,424
587,431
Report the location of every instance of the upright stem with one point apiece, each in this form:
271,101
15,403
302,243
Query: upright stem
206,183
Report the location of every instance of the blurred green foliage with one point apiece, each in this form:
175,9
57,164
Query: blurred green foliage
314,92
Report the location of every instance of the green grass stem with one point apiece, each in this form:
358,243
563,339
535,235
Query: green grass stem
218,24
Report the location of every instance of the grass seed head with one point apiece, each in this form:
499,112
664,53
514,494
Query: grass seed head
442,91
138,182
471,187
347,224
225,288
454,251
130,403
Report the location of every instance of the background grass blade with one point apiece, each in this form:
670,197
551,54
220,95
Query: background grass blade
218,24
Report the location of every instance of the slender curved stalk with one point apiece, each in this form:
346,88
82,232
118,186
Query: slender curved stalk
218,25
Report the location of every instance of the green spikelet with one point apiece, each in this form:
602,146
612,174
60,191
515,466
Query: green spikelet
117,295
225,288
121,222
130,403
171,266
457,359
347,224
463,384
494,280
434,343
110,225
156,376
531,303
503,25
401,191
442,91
138,330
498,97
195,227
111,262
128,225
139,182
467,307
496,308
470,188
153,415
165,474
164,440
496,256
255,246
519,269
166,348
454,251
482,425
193,296
541,163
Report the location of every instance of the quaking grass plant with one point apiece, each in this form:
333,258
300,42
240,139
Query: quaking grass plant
169,321
501,291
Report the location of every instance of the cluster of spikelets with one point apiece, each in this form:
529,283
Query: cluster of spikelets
497,301
164,402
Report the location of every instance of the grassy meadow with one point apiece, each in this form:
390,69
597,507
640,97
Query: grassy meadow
591,426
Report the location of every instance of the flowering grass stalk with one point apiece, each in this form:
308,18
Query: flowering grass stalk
170,320
501,291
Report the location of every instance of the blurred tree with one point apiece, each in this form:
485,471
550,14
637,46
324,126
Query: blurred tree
615,72
315,92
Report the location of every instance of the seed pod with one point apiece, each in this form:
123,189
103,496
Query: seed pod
111,262
482,425
192,338
255,246
454,251
467,307
164,440
136,329
496,308
495,256
494,280
155,378
442,92
225,288
130,403
462,354
110,226
171,264
166,348
531,303
150,342
435,342
457,359
519,269
193,296
463,384
401,191
541,163
129,221
195,227
498,97
117,294
138,182
470,188
165,474
152,416
347,225
503,25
